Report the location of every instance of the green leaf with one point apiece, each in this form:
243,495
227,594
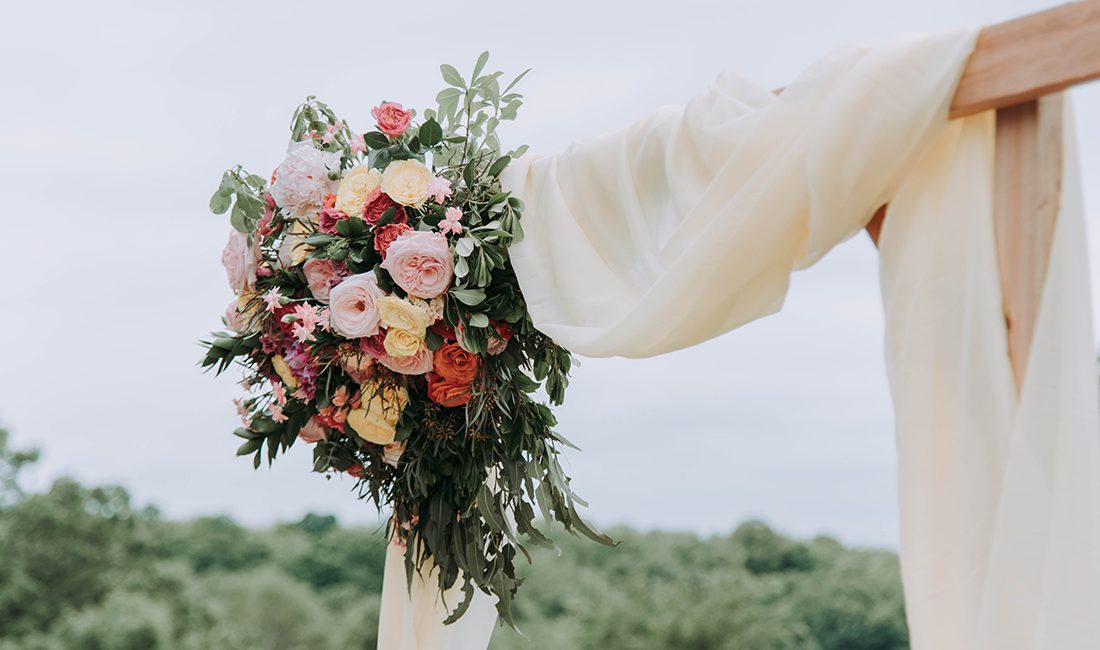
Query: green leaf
376,140
479,320
219,203
516,80
464,246
451,76
431,133
480,65
469,297
498,166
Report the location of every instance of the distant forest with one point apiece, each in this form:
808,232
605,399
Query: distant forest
82,569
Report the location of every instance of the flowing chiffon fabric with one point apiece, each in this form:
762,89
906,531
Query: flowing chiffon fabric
689,223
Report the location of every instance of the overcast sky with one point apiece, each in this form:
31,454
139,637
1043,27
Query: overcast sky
120,117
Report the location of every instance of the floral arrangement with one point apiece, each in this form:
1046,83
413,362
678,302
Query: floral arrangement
379,319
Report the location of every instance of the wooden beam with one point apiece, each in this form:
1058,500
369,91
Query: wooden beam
1031,56
1027,198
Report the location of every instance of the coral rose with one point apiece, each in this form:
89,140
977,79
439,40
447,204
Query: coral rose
392,119
455,364
406,181
385,235
446,392
353,306
421,263
377,204
358,184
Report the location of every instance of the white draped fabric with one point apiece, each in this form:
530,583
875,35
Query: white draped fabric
689,223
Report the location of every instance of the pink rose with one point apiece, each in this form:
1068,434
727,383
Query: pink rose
240,261
353,309
421,263
322,276
374,345
391,118
328,218
417,364
313,431
233,318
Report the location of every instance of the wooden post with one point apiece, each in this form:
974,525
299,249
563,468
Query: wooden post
1027,198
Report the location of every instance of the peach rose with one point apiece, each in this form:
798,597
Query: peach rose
455,364
313,431
416,364
421,263
353,306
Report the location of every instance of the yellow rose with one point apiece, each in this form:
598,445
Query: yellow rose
283,370
401,314
402,343
292,252
248,305
406,181
355,187
434,307
377,420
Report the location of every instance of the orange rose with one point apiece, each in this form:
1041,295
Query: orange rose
447,393
455,364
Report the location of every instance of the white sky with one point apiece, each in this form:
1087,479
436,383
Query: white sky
120,117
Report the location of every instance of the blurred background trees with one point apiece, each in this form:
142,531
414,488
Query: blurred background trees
82,569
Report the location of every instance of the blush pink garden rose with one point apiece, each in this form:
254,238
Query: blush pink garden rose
301,181
321,276
353,306
421,263
392,119
241,262
417,364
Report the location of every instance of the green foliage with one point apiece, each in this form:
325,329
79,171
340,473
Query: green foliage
83,570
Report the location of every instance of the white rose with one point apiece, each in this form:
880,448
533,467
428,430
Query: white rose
406,181
301,181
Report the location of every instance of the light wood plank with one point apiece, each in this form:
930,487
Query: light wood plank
1027,198
1031,56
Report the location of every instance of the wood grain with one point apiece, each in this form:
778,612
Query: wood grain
1031,56
1027,198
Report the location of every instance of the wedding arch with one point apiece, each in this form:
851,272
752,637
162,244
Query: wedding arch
390,312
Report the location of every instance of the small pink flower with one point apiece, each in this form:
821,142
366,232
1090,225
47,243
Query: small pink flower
242,411
302,333
273,299
278,391
439,189
276,412
392,119
358,144
450,223
330,132
307,313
